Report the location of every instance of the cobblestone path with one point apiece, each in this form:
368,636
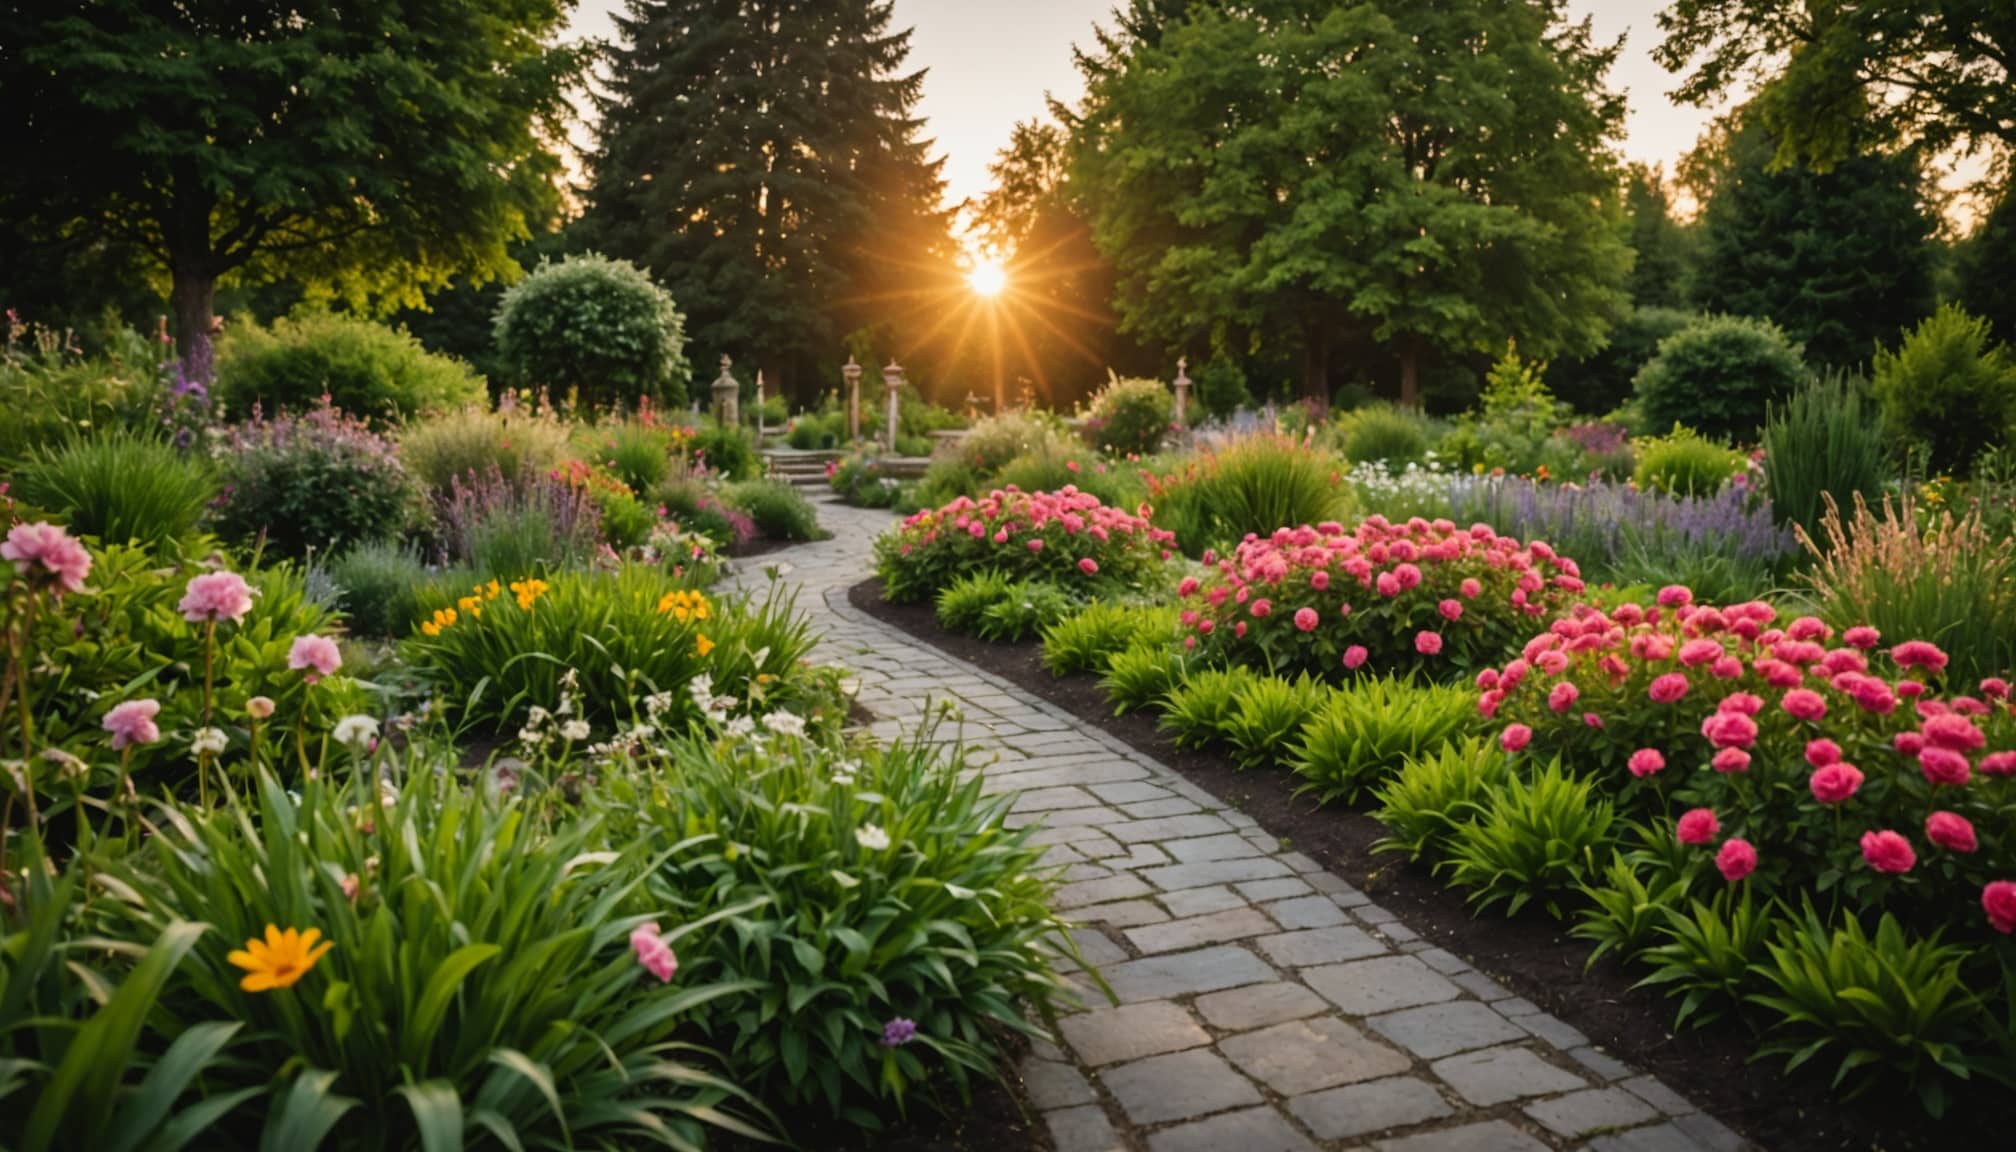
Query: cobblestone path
1265,1005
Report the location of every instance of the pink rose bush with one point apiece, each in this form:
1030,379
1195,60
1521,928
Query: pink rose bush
1066,536
1384,597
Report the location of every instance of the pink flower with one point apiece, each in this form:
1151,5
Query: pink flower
1001,536
1428,643
1998,900
1697,826
1261,608
1951,831
1647,762
1727,668
1516,737
1862,636
132,723
1305,619
1563,697
653,953
1695,653
216,596
1730,730
50,547
1592,720
1731,760
1239,629
315,655
1319,580
1805,704
1668,688
1036,544
1470,589
1908,743
1355,656
1995,688
1675,596
1919,654
1835,783
1888,852
1188,587
1821,753
1387,584
1743,702
1736,860
1952,731
1944,766
1088,566
1999,764
1450,609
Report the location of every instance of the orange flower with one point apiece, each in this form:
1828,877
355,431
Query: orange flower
280,959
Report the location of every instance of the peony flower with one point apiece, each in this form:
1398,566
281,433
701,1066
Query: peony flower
259,707
1998,900
1450,609
1697,826
1516,737
1953,731
1995,688
46,552
1736,860
1804,704
1999,764
1919,654
1908,743
1951,831
1944,766
1743,702
132,723
1319,580
1675,596
1862,636
1731,760
1668,688
1821,753
1089,566
1036,544
1428,643
216,596
1305,619
1354,657
653,952
1695,653
1470,589
1834,783
1261,608
1563,696
1187,588
315,655
1888,852
1730,730
1647,762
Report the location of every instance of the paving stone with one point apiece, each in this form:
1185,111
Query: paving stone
1594,1110
1307,1055
1373,914
1280,888
1710,1133
1131,792
1440,1030
1169,827
1553,1031
1121,887
1046,799
1253,1130
1138,856
1657,1138
1059,855
1300,863
1398,933
1207,848
1198,901
1216,928
1186,973
1094,817
1043,837
1096,948
1444,961
1499,1075
1382,984
1658,1095
1319,946
1122,913
1099,847
1490,1136
1258,1006
1481,986
1052,1084
1305,912
1180,876
1362,1109
1517,1007
1105,773
1116,1035
1177,1087
1603,1064
1151,809
1083,1130
1077,873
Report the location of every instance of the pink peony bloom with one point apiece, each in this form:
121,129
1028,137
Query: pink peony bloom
1450,609
1951,831
1736,860
1001,536
132,723
1592,720
1888,852
1919,654
1999,764
1668,688
1995,688
1428,643
315,655
1730,730
1697,826
1036,544
1862,636
1355,656
1305,619
1835,783
1727,668
1563,697
653,953
1516,737
1695,653
1647,762
1088,566
1998,900
1743,702
1805,704
1731,760
1319,580
1953,731
1470,589
1675,596
45,551
1908,743
1821,753
1944,766
216,596
1188,587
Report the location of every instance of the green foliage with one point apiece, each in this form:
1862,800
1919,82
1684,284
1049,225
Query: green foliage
963,603
1982,263
1253,484
1684,463
816,430
1267,714
638,454
50,393
729,453
1221,388
515,443
1516,426
1625,910
1130,417
1720,376
362,366
1707,951
1088,639
1368,730
1199,708
1440,787
780,511
1533,840
1140,675
1601,382
1822,445
993,441
1664,269
597,329
1383,433
1948,390
119,487
1022,610
387,588
320,481
1052,468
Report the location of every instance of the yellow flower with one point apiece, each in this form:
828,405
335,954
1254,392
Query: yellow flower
280,959
443,617
703,646
528,591
491,590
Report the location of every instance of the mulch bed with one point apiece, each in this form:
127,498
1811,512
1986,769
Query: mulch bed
1531,954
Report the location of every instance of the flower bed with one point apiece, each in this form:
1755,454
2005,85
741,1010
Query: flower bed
1381,597
1067,536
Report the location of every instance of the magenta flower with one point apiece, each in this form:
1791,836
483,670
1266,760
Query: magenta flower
1355,657
1428,643
1089,566
1646,762
1697,826
1668,688
1805,704
1835,783
1888,852
1951,831
1736,860
315,655
133,723
1515,738
216,596
45,551
653,953
898,1032
1305,619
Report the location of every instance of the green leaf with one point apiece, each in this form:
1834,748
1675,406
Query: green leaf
306,1114
437,1113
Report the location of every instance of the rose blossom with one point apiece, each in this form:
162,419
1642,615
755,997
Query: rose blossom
1888,852
1646,762
315,655
1736,860
1951,831
1998,900
1516,737
216,596
1834,783
1697,826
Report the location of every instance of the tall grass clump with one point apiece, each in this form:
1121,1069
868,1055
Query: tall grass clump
1685,463
506,530
515,442
1253,484
1383,434
778,510
386,587
1825,443
1948,581
120,487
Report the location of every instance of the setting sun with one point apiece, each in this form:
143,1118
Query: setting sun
988,278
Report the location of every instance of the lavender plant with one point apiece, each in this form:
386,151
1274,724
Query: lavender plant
502,529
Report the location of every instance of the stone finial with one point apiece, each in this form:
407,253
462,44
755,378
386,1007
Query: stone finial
727,395
851,372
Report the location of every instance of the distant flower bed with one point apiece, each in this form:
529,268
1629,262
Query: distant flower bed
1066,536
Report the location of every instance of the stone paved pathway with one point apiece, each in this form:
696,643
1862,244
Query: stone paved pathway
1264,1004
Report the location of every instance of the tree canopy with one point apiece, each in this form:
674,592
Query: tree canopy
1429,177
1664,250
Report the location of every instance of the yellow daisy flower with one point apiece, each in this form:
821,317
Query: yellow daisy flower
280,959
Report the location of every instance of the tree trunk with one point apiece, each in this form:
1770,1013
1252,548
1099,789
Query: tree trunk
1410,375
1316,363
193,299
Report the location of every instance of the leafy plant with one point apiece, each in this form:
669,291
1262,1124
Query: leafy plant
1720,376
1384,434
1365,734
962,603
1823,444
1434,791
507,531
1141,674
385,585
1534,840
1253,484
120,487
517,443
725,451
598,328
360,366
1685,463
637,453
1624,910
1023,608
778,510
1087,639
1200,708
1949,389
1129,417
1267,713
1708,952
1068,538
316,482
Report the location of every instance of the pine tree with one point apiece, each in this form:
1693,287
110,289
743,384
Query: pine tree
1660,274
1984,264
762,159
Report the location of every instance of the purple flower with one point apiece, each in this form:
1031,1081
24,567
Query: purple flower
898,1032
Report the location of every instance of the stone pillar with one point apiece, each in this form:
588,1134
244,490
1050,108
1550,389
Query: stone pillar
851,373
759,408
1182,391
727,396
892,378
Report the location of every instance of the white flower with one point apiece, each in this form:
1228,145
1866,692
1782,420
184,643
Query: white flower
209,741
356,731
388,793
537,716
532,738
871,837
67,766
740,726
574,730
657,703
845,771
784,723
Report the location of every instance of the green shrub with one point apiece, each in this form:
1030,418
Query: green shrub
1708,952
387,589
1517,426
779,511
1384,433
119,487
1055,467
638,454
1823,444
1684,463
516,443
1140,675
962,603
729,453
1199,709
1368,731
1254,484
1268,712
1533,840
320,481
1625,910
1602,383
49,393
362,366
1435,790
504,530
689,501
1129,417
1025,607
626,522
1068,538
1221,389
597,328
993,441
1087,639
1949,390
1720,376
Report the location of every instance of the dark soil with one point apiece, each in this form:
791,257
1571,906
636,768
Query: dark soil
1531,954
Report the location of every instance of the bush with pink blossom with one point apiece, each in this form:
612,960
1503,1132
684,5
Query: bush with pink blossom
1067,537
1383,597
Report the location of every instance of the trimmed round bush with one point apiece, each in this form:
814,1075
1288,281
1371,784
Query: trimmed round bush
365,368
1719,376
1384,433
1950,390
598,328
1685,463
1130,417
